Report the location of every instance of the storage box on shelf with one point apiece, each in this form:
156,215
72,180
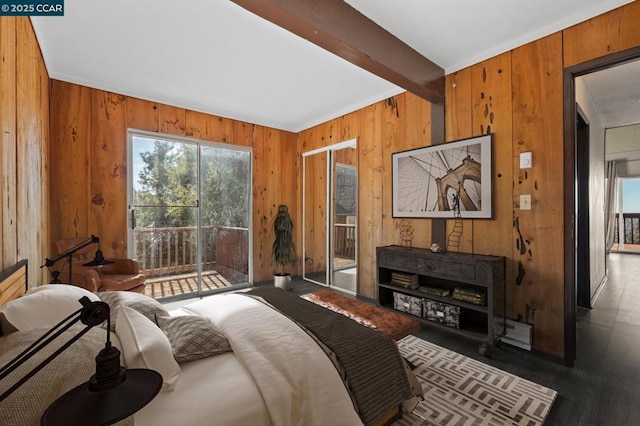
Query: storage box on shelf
442,313
408,304
460,292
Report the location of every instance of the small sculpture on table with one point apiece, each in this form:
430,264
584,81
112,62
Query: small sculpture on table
406,233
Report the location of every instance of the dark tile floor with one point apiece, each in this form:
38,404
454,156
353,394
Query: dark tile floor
603,387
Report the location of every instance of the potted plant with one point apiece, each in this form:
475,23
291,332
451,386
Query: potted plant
283,250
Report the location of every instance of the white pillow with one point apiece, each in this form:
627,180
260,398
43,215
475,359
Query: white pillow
144,345
44,306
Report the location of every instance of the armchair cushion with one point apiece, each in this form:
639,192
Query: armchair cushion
87,278
120,266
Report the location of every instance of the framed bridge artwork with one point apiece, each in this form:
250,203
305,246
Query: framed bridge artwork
451,180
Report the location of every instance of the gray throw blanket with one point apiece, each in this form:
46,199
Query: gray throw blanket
373,368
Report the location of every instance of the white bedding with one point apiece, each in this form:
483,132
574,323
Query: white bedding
215,390
298,382
276,374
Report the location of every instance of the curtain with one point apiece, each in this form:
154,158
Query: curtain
610,204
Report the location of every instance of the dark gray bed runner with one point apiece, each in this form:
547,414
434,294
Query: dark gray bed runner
373,368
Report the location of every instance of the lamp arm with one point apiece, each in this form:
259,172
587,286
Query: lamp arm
36,346
43,363
91,240
91,314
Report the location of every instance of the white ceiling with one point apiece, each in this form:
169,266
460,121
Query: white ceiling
215,57
616,94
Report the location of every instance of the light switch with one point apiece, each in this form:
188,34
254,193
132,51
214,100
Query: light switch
526,160
525,202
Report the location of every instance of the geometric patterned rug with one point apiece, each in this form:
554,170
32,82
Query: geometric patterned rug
459,390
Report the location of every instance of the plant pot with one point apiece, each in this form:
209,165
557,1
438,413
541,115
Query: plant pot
283,281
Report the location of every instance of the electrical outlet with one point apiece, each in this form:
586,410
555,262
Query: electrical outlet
525,202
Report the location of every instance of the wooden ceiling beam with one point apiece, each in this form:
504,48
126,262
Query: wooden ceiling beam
340,29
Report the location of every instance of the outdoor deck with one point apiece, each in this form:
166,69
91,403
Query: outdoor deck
176,285
628,248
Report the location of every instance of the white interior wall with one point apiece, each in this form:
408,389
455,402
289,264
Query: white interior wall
623,145
597,175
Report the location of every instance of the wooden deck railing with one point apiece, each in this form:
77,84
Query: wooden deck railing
345,240
173,250
631,228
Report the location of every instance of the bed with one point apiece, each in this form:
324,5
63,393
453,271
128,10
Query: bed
263,358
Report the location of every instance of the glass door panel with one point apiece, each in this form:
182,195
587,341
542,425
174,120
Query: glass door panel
315,217
344,190
225,216
164,213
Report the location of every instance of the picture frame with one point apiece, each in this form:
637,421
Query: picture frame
438,181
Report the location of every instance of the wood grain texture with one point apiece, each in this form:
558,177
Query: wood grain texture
107,172
273,148
491,83
262,210
214,129
537,127
171,120
629,25
315,199
32,129
393,131
142,115
69,160
44,105
371,165
591,39
8,183
13,282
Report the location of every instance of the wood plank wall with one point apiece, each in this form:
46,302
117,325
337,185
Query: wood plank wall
89,168
517,96
24,117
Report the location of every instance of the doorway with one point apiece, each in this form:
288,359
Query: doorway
575,210
330,183
189,207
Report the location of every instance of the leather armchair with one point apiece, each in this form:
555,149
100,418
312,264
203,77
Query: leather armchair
122,275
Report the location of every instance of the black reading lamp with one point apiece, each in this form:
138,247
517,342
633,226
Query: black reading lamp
112,394
98,259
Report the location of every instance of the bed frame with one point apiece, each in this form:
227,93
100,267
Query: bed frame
13,282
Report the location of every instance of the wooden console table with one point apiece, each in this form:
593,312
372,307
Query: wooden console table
483,321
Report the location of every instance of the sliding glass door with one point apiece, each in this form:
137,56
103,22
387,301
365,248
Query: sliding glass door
189,210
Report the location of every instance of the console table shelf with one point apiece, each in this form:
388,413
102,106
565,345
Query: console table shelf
480,274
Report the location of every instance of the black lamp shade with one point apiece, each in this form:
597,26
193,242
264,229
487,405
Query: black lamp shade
112,394
99,260
81,406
